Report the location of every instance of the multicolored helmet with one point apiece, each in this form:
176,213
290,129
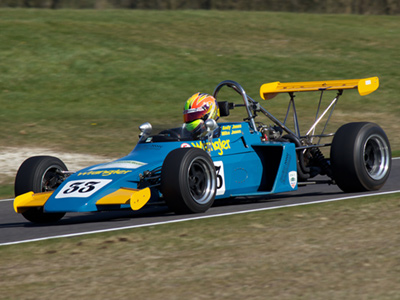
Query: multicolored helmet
198,109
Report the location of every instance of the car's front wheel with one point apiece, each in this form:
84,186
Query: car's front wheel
188,180
39,174
360,157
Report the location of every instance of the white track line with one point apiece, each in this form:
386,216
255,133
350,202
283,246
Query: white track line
4,200
196,218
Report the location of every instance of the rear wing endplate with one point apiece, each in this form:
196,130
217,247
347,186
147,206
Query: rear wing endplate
365,86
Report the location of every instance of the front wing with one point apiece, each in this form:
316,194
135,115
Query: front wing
135,198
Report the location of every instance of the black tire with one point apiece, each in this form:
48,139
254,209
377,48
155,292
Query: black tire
188,180
360,157
39,174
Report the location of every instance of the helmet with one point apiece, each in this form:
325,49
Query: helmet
198,109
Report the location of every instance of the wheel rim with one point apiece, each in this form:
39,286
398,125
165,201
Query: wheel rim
51,179
376,157
201,183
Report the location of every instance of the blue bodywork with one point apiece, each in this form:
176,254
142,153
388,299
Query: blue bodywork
249,157
246,165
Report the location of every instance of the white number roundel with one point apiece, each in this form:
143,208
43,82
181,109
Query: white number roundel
82,188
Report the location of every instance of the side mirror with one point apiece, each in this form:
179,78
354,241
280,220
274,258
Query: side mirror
224,107
145,129
211,125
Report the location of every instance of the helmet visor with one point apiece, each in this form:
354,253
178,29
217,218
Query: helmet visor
190,115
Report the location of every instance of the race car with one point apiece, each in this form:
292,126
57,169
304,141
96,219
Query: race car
246,158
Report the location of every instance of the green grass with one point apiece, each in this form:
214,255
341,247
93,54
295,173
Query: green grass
396,153
83,80
340,250
7,190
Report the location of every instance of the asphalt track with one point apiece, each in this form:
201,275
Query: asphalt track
15,229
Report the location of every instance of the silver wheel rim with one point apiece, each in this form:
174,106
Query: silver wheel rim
46,184
376,157
201,183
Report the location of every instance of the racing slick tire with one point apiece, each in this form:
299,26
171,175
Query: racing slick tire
188,180
39,174
360,157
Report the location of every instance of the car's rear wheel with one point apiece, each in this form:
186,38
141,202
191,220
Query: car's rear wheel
39,174
360,157
188,180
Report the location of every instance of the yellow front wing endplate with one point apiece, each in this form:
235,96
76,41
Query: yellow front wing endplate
136,198
30,199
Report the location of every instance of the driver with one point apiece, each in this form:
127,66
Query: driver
197,110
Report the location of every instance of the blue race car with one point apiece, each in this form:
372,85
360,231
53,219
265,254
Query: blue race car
232,159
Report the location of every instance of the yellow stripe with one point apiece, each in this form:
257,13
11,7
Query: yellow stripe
136,198
121,196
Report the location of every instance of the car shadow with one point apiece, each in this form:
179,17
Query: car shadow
161,211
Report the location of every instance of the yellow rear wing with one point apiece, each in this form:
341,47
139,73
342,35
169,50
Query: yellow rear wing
365,86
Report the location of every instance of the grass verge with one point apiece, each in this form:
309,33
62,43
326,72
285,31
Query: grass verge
342,250
7,191
83,80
